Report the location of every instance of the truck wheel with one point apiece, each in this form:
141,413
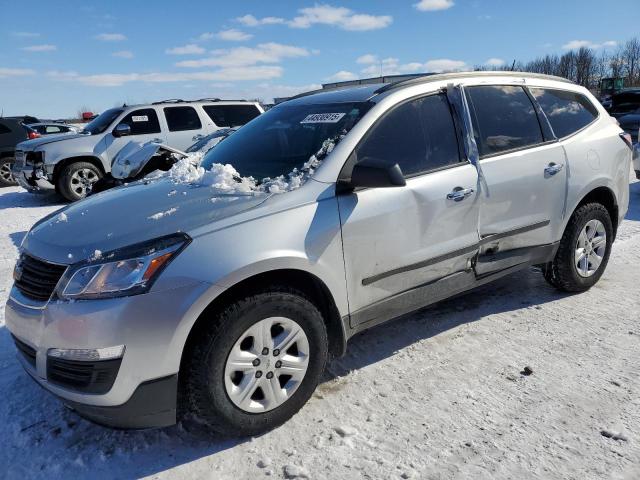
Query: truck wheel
584,250
257,364
6,176
75,180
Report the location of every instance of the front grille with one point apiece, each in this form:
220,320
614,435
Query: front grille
87,377
36,278
29,353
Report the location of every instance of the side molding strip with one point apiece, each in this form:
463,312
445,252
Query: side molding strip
447,256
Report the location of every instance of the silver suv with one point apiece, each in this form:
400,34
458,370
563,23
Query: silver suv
71,164
210,292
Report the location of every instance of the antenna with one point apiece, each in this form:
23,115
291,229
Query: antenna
513,65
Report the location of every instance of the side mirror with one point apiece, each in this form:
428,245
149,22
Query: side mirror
122,130
376,173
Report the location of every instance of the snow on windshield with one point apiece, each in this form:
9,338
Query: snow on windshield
225,178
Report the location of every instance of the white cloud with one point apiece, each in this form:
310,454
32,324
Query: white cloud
191,49
15,72
445,65
342,76
233,35
367,59
110,37
494,62
251,21
392,66
576,44
340,17
203,37
433,5
244,56
263,72
40,48
25,34
123,54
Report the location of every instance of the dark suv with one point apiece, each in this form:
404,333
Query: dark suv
12,132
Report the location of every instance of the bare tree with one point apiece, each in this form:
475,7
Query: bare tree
631,59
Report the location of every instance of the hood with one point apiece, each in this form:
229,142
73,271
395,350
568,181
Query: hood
129,161
131,214
44,140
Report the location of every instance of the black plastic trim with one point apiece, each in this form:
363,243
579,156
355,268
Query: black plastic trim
153,404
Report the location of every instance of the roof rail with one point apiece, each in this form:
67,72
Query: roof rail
432,77
207,99
170,100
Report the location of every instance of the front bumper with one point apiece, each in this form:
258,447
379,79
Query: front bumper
153,327
33,178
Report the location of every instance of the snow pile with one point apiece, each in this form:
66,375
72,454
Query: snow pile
226,179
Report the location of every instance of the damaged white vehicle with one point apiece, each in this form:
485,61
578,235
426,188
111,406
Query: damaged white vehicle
138,160
223,289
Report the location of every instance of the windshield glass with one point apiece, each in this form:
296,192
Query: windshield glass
102,121
284,138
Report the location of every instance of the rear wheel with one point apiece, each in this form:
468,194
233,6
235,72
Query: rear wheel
258,364
76,180
6,175
584,250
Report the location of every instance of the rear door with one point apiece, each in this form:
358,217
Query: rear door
184,126
145,127
523,168
399,240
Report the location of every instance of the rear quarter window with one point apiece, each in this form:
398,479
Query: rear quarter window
231,115
567,112
4,129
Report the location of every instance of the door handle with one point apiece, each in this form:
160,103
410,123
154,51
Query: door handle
552,169
197,137
458,194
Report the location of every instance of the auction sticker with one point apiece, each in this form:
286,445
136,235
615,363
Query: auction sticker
323,118
140,118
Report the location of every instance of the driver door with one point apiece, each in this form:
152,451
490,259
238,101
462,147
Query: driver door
145,127
401,242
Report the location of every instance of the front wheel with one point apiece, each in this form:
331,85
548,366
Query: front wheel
6,175
584,250
257,364
76,180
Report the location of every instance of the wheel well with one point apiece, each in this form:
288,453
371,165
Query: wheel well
607,199
68,161
307,283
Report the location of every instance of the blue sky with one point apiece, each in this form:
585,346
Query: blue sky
59,56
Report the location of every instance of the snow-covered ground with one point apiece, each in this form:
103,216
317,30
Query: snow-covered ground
438,394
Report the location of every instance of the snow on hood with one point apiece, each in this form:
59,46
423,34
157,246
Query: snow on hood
131,214
181,200
226,179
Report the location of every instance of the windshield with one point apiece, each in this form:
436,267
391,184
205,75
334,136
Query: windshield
284,138
102,121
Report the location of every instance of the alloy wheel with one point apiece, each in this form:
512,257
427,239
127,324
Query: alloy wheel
5,172
591,247
82,181
267,364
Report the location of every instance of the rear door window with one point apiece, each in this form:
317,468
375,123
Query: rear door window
142,121
231,115
503,118
418,135
4,129
567,112
180,119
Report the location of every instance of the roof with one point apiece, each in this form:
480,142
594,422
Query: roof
364,89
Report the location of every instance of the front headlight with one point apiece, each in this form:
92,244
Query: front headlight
128,271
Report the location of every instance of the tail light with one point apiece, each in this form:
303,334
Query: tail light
627,139
33,134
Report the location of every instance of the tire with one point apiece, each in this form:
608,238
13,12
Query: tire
207,386
76,179
563,272
6,177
